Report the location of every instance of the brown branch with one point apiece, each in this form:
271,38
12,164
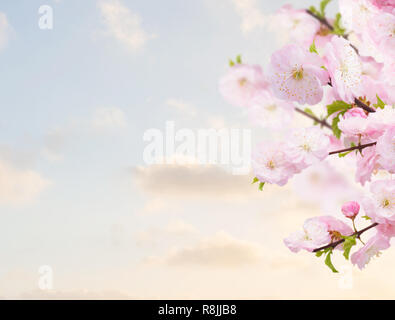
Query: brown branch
323,123
364,106
324,21
360,147
335,244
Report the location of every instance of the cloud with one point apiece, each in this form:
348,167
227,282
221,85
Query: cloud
221,250
191,180
4,30
122,24
173,230
19,186
108,118
251,16
182,107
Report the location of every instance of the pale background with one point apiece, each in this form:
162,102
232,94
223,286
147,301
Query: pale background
75,194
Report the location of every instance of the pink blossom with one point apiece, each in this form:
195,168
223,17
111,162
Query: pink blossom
314,234
345,69
380,206
385,5
382,33
299,26
296,75
268,111
371,249
307,146
381,120
336,225
366,165
386,150
354,122
271,165
386,229
242,83
356,14
351,209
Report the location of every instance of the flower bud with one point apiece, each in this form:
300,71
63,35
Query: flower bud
351,209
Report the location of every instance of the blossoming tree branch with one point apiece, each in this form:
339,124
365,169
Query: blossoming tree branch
347,64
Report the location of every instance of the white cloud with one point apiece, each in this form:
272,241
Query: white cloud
220,250
108,118
183,180
19,186
123,24
251,16
4,30
181,106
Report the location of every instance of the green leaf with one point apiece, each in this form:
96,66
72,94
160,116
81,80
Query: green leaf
261,186
367,218
315,11
323,6
319,253
328,261
348,244
313,48
238,59
255,180
342,155
335,127
337,106
380,103
231,63
337,28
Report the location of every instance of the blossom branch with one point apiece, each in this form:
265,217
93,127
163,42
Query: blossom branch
359,147
357,234
364,106
321,122
324,21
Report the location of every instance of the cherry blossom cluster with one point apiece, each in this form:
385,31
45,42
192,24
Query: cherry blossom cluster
346,67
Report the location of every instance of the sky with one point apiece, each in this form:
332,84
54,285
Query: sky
75,192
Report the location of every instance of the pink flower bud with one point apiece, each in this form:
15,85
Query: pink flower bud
351,209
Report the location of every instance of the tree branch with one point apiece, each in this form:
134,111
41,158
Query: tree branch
360,147
335,244
323,123
364,106
324,21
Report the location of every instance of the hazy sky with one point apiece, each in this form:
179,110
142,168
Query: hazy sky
74,192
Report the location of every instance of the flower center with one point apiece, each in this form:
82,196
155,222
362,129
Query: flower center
271,107
297,73
386,203
305,147
243,82
270,165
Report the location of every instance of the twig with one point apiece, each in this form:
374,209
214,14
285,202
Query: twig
359,147
335,244
324,21
364,106
322,122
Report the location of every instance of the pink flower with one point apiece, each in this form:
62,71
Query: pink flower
381,120
366,165
356,14
354,122
386,229
296,75
382,33
270,164
336,226
371,249
345,69
307,146
314,235
385,5
242,83
380,206
386,150
268,111
299,26
350,209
